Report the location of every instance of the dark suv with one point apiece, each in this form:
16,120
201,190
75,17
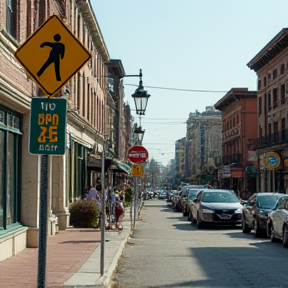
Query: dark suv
255,212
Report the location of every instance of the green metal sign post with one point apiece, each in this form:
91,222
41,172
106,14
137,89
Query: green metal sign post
48,126
47,137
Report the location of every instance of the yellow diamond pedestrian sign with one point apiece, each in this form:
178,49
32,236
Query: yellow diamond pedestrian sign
137,170
52,55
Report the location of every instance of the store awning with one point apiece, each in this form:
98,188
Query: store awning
94,162
120,166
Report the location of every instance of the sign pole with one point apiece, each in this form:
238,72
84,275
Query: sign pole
135,201
102,224
43,223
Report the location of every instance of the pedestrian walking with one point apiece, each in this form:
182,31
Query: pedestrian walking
119,212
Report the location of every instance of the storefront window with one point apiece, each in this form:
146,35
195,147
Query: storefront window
1,178
10,163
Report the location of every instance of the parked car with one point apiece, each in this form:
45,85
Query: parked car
175,201
192,191
170,196
183,197
216,206
183,201
277,222
161,194
255,212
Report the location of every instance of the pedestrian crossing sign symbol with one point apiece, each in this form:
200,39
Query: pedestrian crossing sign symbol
52,55
137,170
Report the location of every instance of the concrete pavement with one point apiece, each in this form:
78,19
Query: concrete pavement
73,259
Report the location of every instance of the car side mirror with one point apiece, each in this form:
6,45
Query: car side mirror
244,202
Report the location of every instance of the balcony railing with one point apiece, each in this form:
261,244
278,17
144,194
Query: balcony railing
273,139
233,158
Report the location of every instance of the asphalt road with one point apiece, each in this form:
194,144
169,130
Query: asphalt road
166,250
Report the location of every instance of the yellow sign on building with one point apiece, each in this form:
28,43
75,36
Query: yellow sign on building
137,170
52,55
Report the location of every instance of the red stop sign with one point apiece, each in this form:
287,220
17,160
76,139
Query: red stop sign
138,154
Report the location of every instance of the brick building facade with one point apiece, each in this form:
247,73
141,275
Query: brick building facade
86,127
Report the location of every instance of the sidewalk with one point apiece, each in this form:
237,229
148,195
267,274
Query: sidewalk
73,259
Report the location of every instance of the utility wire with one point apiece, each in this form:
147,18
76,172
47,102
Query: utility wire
180,89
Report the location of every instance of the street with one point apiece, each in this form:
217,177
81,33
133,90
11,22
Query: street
166,250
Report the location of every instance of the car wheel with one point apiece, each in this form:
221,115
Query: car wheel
199,222
257,232
271,233
285,236
245,228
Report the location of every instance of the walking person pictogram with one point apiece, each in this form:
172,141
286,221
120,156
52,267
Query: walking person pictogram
57,50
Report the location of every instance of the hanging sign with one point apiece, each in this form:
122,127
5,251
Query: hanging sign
272,160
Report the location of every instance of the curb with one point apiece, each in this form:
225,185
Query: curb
89,278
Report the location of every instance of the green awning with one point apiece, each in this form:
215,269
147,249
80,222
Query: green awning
120,166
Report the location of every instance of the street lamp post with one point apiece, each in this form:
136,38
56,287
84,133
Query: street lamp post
141,100
140,97
139,134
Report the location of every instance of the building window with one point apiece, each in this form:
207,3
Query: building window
269,102
274,73
275,127
282,69
259,84
275,97
269,129
269,76
282,94
265,81
283,130
11,18
10,164
259,105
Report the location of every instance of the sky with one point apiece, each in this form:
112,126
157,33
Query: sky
191,52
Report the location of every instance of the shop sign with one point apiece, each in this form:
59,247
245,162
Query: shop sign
226,171
48,126
251,170
236,172
272,160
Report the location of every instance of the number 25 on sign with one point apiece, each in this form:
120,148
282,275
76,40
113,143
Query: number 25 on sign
48,126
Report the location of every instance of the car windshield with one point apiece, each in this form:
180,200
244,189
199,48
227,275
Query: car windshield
219,197
267,201
192,193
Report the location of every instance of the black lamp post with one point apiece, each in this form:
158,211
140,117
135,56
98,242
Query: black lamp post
139,134
140,97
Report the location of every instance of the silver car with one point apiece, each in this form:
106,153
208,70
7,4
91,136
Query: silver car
216,206
277,222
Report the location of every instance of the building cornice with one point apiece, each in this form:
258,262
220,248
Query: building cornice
85,8
270,51
233,96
